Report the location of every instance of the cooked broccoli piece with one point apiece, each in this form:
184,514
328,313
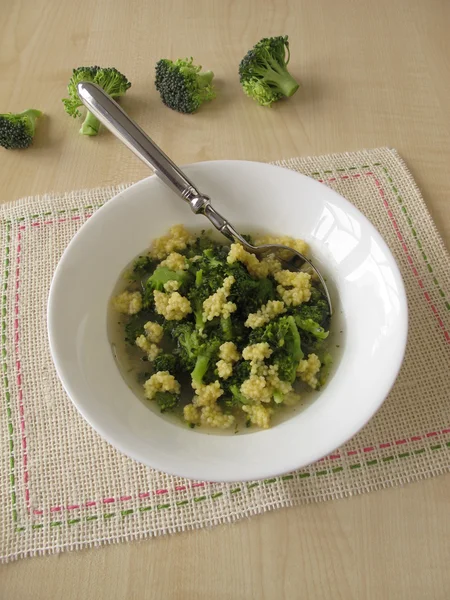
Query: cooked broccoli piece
135,327
206,359
159,277
196,352
182,85
162,275
237,396
263,71
17,130
166,362
188,341
226,325
247,292
166,401
327,363
208,273
201,243
316,310
109,79
312,327
284,339
232,386
142,266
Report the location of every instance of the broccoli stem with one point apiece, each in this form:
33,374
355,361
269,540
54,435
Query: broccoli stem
201,366
278,397
227,328
32,114
90,125
238,395
281,77
199,320
205,79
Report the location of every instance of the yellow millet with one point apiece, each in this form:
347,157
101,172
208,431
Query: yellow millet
151,349
191,414
264,382
224,369
214,417
173,306
256,352
177,238
256,268
206,395
229,352
294,288
216,305
272,264
258,414
257,388
162,381
171,286
128,303
307,370
175,262
284,240
153,331
266,313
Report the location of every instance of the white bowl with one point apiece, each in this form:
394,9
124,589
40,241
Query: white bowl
370,302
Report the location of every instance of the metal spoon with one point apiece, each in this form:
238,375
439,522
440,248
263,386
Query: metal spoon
108,112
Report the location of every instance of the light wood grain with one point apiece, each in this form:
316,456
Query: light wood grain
372,73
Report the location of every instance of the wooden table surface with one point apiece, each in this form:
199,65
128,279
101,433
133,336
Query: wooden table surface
373,74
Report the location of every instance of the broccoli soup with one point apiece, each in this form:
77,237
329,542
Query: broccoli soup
216,339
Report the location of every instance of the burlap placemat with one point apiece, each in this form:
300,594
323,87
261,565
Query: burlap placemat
63,487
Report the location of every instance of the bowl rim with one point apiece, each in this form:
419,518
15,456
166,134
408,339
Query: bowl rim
192,473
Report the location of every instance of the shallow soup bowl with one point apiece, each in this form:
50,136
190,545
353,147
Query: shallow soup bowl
369,324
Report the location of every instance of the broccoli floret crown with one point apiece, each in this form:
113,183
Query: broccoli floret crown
166,362
17,130
182,86
263,71
108,78
162,275
284,340
167,400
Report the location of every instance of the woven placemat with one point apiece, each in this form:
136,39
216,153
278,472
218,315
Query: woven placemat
63,487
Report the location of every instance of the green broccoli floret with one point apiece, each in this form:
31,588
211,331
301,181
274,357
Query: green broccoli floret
233,396
166,362
311,327
188,341
17,130
166,401
284,339
201,243
162,275
208,273
158,278
327,363
206,359
237,396
248,293
196,352
142,266
182,85
316,310
135,327
226,325
109,79
263,71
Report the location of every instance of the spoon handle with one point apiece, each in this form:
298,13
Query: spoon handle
108,112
